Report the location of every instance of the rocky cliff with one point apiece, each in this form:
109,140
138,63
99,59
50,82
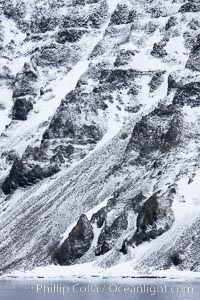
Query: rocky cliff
100,139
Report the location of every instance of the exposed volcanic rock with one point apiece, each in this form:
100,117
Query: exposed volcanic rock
77,243
66,125
110,234
193,62
78,119
124,57
160,130
188,94
122,15
21,109
97,15
63,48
171,23
100,217
23,175
25,82
172,83
115,228
54,55
151,221
190,6
159,50
178,258
156,81
69,35
24,93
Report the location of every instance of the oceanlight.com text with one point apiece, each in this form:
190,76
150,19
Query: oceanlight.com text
113,288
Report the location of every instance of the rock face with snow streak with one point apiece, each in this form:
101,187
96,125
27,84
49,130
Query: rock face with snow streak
193,62
147,221
99,123
77,244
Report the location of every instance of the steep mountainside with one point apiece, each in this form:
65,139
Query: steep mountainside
100,138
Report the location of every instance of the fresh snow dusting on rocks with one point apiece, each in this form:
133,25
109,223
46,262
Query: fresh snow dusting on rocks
99,138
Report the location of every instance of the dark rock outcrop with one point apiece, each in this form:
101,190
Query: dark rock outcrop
16,12
157,12
177,259
147,221
124,57
193,62
25,90
95,17
122,15
55,55
190,6
119,77
41,23
159,50
21,109
171,23
66,125
163,134
156,81
77,244
188,94
23,175
172,84
110,234
100,217
124,248
25,82
69,35
10,156
147,218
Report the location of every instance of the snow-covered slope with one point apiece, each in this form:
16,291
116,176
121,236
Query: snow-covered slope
99,145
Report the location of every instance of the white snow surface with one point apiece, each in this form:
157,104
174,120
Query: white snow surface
88,270
188,200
